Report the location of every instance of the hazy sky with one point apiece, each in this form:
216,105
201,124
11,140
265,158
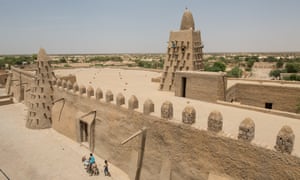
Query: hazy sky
134,26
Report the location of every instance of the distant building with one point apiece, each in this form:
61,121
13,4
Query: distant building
184,51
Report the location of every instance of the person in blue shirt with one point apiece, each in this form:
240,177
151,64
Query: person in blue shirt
91,162
91,159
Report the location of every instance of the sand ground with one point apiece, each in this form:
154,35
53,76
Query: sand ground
41,154
138,83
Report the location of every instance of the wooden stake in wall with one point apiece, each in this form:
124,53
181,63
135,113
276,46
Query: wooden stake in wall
143,131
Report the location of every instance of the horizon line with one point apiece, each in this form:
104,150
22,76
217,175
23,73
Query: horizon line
161,53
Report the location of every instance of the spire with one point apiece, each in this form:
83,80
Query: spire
187,21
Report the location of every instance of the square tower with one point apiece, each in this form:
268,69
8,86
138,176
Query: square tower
184,52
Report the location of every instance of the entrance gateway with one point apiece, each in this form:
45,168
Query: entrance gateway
86,129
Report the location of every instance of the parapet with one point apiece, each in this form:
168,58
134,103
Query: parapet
99,94
75,87
167,110
133,103
109,96
64,84
285,140
82,89
69,85
148,107
90,91
215,121
189,115
247,130
120,100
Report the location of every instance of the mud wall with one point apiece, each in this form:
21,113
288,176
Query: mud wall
283,98
173,150
3,77
64,117
20,83
204,86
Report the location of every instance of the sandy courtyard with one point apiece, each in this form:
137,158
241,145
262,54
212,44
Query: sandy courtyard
137,82
41,154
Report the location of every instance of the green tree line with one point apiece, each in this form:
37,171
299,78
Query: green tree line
16,60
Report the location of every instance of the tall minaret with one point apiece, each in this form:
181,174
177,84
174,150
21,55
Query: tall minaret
41,96
184,51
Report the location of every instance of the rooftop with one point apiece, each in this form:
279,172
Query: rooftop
138,83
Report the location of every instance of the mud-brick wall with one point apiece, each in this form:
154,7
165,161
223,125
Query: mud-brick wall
204,86
3,77
174,149
282,98
20,83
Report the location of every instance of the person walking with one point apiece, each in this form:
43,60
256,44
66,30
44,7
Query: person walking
106,172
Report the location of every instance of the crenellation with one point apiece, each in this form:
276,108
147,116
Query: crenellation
90,91
58,82
189,115
64,84
109,96
247,130
99,94
120,100
133,102
167,110
215,121
148,107
82,89
75,87
69,85
285,140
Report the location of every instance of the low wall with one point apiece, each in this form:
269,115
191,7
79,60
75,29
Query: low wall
264,110
265,81
173,150
283,98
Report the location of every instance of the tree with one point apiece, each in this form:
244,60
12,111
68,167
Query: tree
250,63
235,72
216,67
275,73
62,60
279,63
292,67
34,57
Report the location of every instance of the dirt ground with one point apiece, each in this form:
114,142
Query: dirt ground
41,154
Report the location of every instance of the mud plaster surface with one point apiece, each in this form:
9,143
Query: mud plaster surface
138,83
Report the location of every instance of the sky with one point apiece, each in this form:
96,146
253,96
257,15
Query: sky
143,26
